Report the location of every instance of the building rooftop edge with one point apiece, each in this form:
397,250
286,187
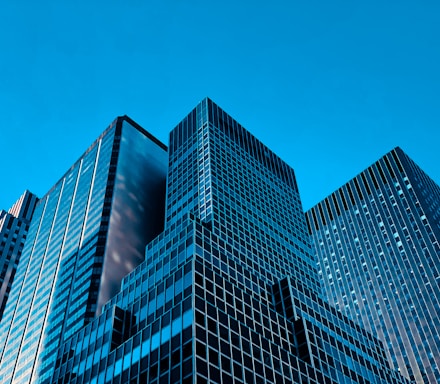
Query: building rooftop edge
397,149
118,120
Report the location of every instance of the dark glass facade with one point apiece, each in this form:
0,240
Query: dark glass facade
14,226
377,246
70,266
228,292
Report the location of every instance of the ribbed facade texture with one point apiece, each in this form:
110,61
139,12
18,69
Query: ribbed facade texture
14,226
377,244
229,291
87,233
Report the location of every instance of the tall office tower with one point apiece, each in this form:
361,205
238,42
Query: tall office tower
377,243
14,226
87,232
228,293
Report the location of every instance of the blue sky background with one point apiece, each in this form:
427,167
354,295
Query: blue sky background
330,86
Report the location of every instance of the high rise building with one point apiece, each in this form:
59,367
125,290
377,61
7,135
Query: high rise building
229,291
87,232
14,225
377,246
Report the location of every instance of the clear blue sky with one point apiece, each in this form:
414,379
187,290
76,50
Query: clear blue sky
330,86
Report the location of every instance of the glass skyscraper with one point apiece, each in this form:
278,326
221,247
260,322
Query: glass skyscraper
377,246
228,292
87,232
14,226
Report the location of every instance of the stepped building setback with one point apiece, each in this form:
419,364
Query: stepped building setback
376,240
228,292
